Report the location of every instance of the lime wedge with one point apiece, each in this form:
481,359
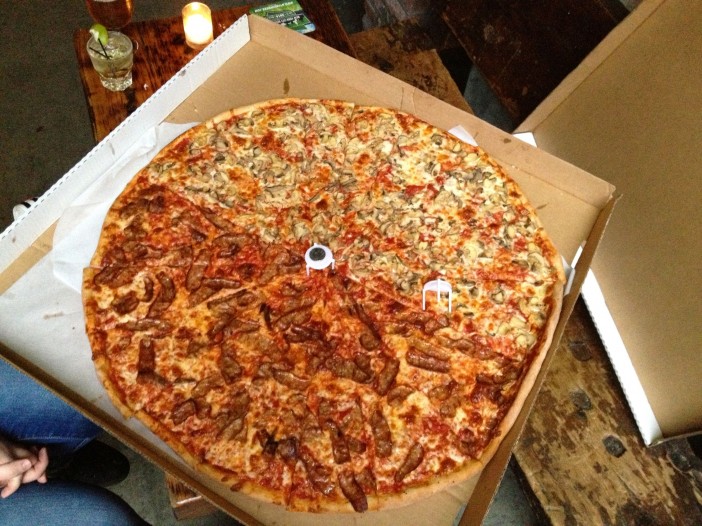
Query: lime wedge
99,33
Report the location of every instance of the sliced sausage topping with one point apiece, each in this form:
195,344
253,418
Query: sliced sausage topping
381,434
352,491
344,368
319,476
387,376
412,461
182,411
340,448
126,303
423,360
165,296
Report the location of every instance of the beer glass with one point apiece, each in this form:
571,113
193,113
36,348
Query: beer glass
113,14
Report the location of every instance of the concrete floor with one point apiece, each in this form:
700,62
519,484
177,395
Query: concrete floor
45,130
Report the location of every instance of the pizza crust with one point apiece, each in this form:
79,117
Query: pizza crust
233,202
529,379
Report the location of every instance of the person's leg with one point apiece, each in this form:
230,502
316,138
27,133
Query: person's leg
31,414
59,503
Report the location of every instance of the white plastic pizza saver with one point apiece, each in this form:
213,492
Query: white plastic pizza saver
438,285
318,257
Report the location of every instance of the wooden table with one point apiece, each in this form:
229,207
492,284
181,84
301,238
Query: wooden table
525,49
580,456
161,52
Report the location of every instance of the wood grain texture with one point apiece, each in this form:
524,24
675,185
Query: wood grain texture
161,51
404,51
186,503
581,453
525,48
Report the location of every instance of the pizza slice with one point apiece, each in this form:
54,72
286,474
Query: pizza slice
151,225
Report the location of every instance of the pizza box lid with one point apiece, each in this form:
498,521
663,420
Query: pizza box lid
45,336
629,114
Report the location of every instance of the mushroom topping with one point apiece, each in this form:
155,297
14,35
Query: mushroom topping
498,296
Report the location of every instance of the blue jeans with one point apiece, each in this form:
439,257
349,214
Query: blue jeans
33,415
61,503
30,414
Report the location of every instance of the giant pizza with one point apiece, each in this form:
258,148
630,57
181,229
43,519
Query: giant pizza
328,306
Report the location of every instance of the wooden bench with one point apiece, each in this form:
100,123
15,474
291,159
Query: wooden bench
524,49
581,457
405,51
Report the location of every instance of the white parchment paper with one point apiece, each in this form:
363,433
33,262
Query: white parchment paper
79,228
41,314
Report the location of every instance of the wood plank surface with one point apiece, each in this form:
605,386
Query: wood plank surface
161,51
581,453
525,48
186,503
404,51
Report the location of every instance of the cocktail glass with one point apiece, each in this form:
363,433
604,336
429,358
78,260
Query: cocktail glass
113,61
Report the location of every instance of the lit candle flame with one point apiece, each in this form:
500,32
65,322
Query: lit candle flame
197,23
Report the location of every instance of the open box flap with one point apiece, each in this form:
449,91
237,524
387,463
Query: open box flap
630,114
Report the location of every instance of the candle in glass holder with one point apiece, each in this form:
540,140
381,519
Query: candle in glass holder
197,24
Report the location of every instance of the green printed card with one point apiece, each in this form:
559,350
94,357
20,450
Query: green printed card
287,13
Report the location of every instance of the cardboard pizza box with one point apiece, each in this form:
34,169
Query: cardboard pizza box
631,114
42,329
